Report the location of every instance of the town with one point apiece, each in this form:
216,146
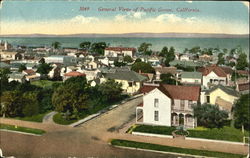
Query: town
194,102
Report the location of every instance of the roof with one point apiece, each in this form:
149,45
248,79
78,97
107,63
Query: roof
147,88
124,74
219,71
4,65
227,90
184,63
16,75
140,105
120,49
197,75
165,70
183,92
243,72
244,86
29,72
225,105
175,92
74,74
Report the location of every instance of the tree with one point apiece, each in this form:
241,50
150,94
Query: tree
241,112
44,69
42,61
128,59
210,115
143,67
138,60
170,56
164,52
144,48
11,103
98,47
21,68
30,104
195,50
168,79
221,60
119,64
85,45
4,79
242,62
56,45
111,90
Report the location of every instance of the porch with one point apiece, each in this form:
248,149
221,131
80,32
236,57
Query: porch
183,119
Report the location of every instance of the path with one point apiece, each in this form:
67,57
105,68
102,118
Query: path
48,118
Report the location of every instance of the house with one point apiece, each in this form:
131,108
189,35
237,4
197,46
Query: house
243,88
191,78
10,55
119,51
65,60
184,57
168,105
4,45
72,74
205,58
31,75
220,95
154,61
131,81
164,70
214,75
17,76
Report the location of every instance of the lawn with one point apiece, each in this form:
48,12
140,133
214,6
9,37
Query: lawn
35,118
22,129
225,133
57,118
157,147
44,83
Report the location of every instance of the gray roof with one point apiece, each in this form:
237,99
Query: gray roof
227,90
4,65
16,75
123,74
197,75
184,63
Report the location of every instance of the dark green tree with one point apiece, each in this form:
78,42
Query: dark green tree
30,104
21,68
168,79
143,67
56,45
98,47
164,52
242,113
221,60
242,62
44,69
195,50
138,60
128,59
170,56
145,48
210,115
119,64
111,90
85,45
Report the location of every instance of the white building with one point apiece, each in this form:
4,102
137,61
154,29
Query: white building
66,60
168,105
119,51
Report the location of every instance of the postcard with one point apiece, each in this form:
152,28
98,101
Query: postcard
124,79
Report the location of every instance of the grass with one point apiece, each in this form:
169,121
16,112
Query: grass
225,133
44,83
35,118
157,147
57,118
22,129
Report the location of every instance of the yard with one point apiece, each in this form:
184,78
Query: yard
225,133
35,118
21,129
44,83
126,143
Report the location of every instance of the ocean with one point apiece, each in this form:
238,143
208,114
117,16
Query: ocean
157,43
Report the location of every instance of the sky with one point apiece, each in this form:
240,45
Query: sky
115,17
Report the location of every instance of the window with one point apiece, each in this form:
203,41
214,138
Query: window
208,99
156,116
190,104
182,104
211,80
156,103
130,84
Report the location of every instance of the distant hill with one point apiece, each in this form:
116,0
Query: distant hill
137,35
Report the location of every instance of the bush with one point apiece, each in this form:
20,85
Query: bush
154,129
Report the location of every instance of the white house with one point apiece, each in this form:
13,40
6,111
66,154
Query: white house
168,105
191,77
66,60
214,75
119,51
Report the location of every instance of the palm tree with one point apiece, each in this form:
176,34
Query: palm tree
56,45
